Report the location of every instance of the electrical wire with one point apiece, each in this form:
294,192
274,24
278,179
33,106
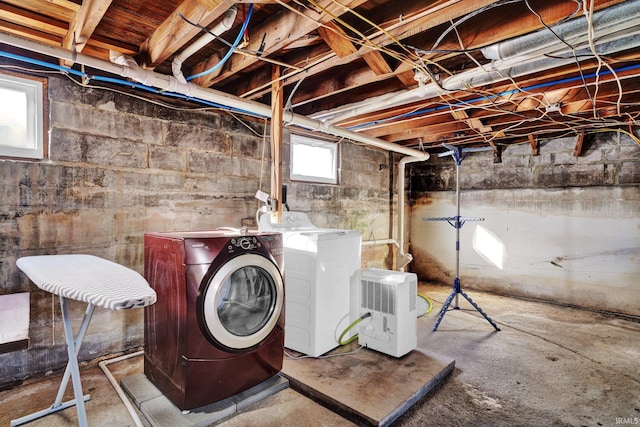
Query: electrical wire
251,53
469,16
376,26
351,326
487,95
450,100
573,50
514,83
591,36
364,41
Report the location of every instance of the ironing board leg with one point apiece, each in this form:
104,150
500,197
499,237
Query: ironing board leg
72,370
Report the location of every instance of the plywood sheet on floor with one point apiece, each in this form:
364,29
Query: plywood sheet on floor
366,386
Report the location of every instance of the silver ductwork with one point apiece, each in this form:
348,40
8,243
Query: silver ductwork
616,29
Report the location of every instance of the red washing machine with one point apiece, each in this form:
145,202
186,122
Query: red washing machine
217,328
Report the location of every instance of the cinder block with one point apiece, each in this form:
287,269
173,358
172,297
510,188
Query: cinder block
629,173
167,158
198,138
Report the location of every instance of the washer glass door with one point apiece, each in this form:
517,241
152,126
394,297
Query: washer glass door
243,301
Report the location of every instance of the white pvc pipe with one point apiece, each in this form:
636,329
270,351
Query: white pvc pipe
103,365
224,25
380,242
170,83
407,258
403,258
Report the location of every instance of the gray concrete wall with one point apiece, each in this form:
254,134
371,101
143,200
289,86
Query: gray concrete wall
556,227
119,167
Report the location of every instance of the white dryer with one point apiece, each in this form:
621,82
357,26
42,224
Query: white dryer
321,273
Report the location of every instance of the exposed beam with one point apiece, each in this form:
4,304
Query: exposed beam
32,20
335,37
577,150
534,144
396,28
576,110
276,33
375,60
571,94
174,32
31,34
482,34
62,10
84,23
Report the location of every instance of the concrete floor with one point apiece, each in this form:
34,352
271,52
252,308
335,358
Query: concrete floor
549,365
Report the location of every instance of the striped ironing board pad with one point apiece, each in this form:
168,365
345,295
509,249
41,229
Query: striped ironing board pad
90,279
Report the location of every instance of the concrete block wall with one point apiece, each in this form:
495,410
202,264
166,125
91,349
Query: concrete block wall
119,167
556,227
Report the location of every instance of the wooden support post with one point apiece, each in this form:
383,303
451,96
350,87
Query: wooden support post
577,151
277,94
497,153
534,144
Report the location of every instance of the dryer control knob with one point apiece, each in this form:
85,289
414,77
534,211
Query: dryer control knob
245,243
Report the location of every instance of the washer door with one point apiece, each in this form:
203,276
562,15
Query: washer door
242,301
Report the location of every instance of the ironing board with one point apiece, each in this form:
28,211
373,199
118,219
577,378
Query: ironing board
97,282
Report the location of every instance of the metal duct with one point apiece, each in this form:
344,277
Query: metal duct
622,17
617,28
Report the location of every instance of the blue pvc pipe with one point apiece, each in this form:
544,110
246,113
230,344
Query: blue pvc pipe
122,82
41,63
231,50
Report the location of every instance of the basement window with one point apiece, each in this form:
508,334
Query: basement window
313,160
21,117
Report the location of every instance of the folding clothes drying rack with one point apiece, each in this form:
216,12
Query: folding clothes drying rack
457,222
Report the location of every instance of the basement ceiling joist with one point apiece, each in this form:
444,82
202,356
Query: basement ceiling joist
339,57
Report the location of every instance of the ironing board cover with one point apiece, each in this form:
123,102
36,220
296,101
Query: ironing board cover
90,279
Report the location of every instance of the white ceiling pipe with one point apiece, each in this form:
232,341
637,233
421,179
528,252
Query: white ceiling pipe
608,25
224,25
170,83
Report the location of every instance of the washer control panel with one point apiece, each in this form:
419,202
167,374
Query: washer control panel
245,242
